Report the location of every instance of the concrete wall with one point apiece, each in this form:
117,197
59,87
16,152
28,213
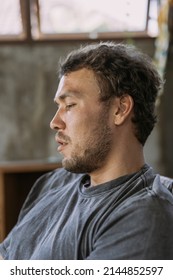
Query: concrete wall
28,82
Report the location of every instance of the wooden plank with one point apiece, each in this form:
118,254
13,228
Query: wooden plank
28,166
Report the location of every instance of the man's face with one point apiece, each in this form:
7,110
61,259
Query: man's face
84,131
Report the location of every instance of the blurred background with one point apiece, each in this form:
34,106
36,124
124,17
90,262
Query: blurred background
35,34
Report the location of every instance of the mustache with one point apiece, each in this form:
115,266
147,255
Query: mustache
63,137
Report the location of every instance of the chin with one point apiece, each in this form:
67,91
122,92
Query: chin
71,166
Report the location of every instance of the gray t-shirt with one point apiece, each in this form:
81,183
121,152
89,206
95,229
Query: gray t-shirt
63,218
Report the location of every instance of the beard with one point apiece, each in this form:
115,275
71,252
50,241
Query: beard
92,153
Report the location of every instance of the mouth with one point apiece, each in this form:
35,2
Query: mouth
61,144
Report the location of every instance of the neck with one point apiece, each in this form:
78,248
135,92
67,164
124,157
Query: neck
128,162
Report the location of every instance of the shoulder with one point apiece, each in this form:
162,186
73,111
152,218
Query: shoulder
167,182
162,189
148,208
56,179
153,198
156,188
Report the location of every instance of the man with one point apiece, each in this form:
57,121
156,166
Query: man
106,202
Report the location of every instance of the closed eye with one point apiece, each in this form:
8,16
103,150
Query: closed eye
69,106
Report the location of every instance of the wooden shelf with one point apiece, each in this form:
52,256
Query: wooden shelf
16,180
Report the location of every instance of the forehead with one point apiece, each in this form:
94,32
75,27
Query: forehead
81,82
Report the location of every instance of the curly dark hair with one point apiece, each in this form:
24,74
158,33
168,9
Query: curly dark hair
121,69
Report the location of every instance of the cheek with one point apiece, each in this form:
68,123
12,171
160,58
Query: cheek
77,129
81,124
79,121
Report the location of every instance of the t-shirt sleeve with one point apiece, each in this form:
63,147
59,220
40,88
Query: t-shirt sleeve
38,190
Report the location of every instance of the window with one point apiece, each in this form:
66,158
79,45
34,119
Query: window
77,19
10,18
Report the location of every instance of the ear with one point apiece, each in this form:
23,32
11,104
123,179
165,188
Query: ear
123,108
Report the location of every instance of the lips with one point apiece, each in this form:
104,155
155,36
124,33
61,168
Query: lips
61,146
61,142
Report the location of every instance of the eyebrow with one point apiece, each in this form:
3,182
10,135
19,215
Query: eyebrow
65,95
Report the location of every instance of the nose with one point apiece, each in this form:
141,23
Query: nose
57,123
